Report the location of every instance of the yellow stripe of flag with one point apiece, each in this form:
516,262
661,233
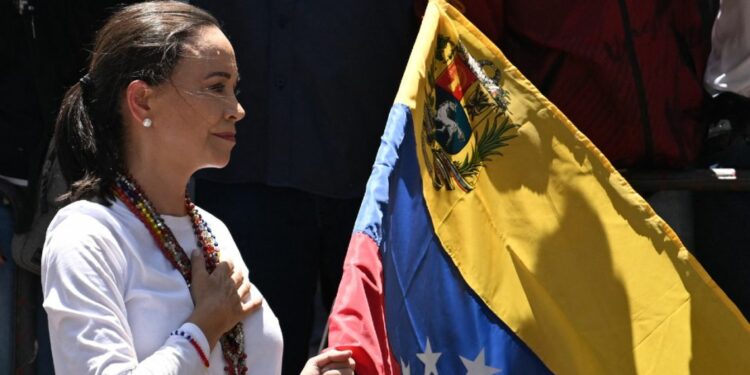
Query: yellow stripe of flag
553,239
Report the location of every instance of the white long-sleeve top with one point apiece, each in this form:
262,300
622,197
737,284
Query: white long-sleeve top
112,298
728,66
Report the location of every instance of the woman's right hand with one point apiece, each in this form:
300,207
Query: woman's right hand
332,362
222,298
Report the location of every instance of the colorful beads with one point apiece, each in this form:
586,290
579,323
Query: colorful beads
232,342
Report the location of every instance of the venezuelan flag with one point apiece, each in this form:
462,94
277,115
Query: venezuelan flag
495,238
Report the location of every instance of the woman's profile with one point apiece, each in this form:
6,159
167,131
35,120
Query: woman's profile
136,278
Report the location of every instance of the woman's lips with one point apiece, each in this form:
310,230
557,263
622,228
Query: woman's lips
227,136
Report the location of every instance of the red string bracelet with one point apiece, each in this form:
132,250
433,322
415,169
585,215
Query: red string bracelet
192,342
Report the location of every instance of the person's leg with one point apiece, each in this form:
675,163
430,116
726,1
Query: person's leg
275,229
7,290
722,237
722,228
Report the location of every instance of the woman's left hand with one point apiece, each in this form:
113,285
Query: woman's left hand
332,362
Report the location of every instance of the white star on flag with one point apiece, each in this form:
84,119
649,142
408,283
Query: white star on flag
477,366
405,368
429,359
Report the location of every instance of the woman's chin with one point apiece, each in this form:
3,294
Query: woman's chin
216,163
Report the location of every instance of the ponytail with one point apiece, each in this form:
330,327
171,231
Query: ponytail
84,161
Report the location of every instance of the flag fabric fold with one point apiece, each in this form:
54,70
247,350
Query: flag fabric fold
495,238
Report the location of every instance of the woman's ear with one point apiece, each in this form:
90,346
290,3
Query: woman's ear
137,97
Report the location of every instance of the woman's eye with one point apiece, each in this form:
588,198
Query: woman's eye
217,88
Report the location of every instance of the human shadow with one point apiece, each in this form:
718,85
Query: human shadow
571,284
580,299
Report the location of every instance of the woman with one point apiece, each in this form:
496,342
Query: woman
127,290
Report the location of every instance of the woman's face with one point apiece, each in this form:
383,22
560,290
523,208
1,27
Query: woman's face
194,113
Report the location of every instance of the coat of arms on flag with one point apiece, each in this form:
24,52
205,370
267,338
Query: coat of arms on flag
463,94
494,237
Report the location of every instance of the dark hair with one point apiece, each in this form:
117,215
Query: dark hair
143,41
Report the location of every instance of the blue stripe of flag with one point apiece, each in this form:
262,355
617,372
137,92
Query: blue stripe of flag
425,296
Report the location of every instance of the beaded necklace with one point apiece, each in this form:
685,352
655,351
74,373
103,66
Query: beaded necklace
126,189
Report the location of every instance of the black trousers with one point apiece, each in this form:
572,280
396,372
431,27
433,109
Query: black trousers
289,239
722,227
723,242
